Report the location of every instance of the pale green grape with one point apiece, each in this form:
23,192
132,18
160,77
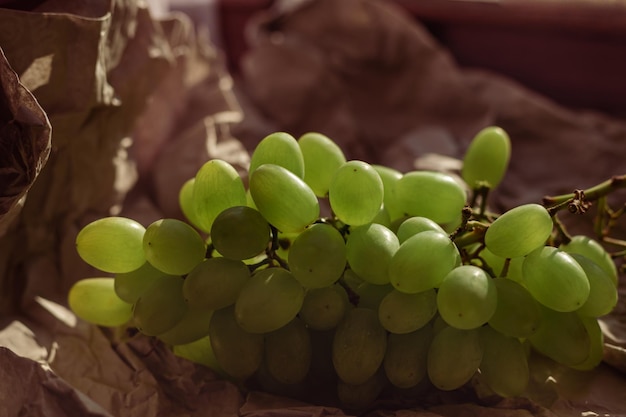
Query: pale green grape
358,346
278,148
555,279
415,225
360,396
497,263
592,249
371,295
390,177
238,352
400,312
317,257
487,158
200,352
435,195
270,299
517,313
322,157
504,366
369,249
422,262
406,356
161,306
602,291
240,232
356,193
192,326
453,357
172,246
519,231
112,244
285,200
382,217
215,283
323,308
95,301
596,342
186,202
130,285
288,352
467,297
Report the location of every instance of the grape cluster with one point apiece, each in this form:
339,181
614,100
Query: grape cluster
407,278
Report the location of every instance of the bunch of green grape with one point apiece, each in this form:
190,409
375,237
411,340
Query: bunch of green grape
405,281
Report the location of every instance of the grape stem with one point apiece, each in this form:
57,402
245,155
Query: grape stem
577,202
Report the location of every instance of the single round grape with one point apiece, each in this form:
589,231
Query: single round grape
322,157
467,297
112,244
453,357
270,299
390,177
415,225
317,257
194,325
288,352
406,356
186,202
422,262
487,158
161,306
602,291
434,195
519,231
555,279
369,249
278,148
517,313
173,246
592,249
95,301
130,285
399,312
356,193
285,200
323,308
240,232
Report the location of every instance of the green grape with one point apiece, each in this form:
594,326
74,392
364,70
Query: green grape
371,295
270,299
192,326
130,285
240,232
415,225
369,249
596,348
161,306
285,200
200,352
238,353
487,158
317,257
555,279
562,337
323,308
592,249
95,301
517,313
422,262
467,297
453,357
400,312
217,186
281,149
504,366
496,264
186,202
356,193
390,177
406,356
382,217
322,157
172,246
288,352
358,346
112,244
215,283
361,396
519,231
602,291
435,195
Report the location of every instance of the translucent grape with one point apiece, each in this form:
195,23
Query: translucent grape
200,352
390,177
95,301
406,356
596,342
288,352
517,313
369,249
435,195
130,285
285,200
358,346
602,291
322,157
422,262
112,244
555,279
317,257
192,326
592,249
356,193
414,225
519,231
215,283
400,312
487,158
453,357
186,202
467,297
240,232
279,148
161,306
270,299
504,366
173,246
323,308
